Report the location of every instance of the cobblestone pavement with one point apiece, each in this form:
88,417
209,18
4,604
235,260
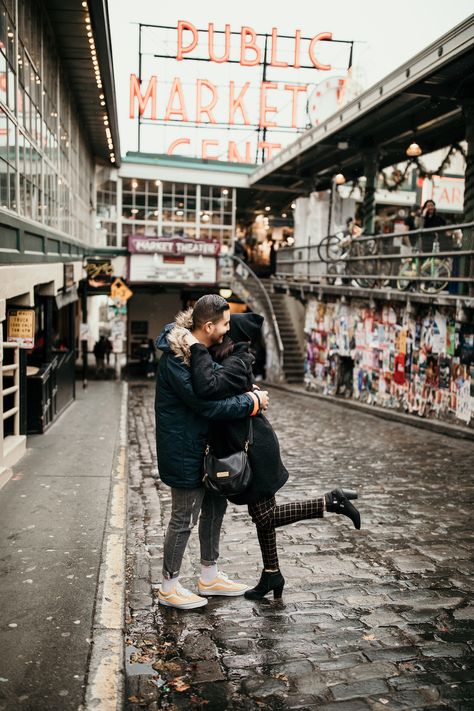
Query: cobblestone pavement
380,618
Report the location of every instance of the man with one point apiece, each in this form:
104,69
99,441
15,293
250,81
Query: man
181,431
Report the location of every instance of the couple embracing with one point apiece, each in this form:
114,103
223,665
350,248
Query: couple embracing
205,395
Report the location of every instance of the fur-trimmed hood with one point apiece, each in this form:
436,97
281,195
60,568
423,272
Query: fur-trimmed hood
172,337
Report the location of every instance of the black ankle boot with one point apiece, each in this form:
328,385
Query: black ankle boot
268,582
338,501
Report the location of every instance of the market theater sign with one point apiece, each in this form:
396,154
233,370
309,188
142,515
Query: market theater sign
174,260
152,102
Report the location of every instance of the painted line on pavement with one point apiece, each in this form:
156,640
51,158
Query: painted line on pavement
105,678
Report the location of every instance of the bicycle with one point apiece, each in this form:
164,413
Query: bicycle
340,247
435,270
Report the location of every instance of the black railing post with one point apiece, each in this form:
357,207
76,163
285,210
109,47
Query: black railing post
22,382
466,263
368,205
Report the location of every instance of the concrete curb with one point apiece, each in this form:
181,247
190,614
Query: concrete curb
6,474
105,677
436,426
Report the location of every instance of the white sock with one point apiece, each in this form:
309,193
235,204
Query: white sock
208,573
168,585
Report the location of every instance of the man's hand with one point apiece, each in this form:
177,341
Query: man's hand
264,398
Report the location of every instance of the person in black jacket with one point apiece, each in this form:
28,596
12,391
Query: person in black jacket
268,471
182,424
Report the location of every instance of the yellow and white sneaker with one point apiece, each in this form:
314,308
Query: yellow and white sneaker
181,598
221,585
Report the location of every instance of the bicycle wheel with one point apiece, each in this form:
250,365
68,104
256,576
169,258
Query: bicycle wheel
331,274
438,272
366,267
329,249
403,281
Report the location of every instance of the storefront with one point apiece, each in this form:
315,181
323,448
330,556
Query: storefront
165,275
418,360
57,121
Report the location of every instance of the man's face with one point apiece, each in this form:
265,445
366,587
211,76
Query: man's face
216,331
430,207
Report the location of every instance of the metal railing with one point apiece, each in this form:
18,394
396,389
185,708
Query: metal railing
242,271
11,370
427,261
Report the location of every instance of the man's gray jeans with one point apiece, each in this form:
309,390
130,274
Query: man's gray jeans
185,507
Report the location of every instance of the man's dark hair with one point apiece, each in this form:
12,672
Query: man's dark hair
209,308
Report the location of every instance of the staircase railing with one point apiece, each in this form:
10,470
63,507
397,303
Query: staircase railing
238,265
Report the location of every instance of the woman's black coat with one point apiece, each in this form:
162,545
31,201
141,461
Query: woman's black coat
234,377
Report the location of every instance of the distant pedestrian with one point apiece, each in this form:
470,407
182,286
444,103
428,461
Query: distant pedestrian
108,350
273,257
151,359
240,249
429,219
100,349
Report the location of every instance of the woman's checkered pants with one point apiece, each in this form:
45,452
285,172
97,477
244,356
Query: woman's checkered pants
267,516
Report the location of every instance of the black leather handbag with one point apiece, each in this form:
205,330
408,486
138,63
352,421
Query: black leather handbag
230,475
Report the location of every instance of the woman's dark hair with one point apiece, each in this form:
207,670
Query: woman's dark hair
209,307
222,350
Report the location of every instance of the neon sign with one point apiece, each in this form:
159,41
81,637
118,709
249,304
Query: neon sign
263,105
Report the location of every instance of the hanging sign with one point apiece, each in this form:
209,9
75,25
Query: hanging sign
21,327
119,291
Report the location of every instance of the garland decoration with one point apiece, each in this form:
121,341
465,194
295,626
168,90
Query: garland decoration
398,176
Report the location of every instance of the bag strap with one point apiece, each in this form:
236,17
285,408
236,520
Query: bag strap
249,439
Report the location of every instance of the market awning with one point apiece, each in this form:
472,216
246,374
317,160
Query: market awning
421,98
68,20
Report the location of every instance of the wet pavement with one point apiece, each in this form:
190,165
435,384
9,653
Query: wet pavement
380,618
52,518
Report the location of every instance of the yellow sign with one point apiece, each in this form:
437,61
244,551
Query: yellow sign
119,290
21,327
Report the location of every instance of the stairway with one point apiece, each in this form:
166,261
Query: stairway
293,356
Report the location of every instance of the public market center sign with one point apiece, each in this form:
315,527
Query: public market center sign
258,110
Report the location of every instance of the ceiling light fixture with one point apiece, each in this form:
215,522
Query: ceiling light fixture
413,150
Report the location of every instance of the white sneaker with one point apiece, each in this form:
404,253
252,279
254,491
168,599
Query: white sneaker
221,585
180,598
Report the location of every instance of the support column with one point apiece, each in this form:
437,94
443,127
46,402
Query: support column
48,328
368,205
466,263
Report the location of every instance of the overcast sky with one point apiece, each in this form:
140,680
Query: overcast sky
386,35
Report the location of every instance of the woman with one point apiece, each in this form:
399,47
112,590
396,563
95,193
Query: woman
268,472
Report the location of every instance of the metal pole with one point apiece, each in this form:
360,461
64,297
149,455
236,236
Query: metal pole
48,328
465,263
368,205
71,316
22,382
84,340
331,200
139,76
264,78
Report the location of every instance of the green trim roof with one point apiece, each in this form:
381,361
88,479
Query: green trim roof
177,161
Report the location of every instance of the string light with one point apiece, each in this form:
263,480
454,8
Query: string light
97,74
